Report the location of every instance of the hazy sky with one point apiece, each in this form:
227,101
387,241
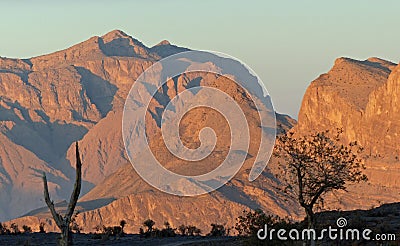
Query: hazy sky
287,43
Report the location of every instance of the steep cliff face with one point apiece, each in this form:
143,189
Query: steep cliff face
361,98
382,114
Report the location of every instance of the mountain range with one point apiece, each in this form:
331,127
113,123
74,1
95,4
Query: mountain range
49,102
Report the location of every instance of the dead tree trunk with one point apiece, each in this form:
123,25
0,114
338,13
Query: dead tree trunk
63,222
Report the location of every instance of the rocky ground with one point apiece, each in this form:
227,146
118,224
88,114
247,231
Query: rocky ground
88,239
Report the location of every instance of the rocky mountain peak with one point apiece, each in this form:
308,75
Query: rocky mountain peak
370,65
380,62
118,43
115,34
341,60
164,42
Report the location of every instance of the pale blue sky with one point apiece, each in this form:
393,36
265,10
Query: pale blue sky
287,43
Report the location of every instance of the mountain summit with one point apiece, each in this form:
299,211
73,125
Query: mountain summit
114,34
164,42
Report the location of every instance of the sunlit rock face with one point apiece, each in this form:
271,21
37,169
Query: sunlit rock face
362,98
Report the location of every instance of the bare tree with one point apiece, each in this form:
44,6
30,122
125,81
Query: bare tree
64,222
315,165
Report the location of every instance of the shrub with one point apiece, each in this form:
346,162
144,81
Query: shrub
41,227
27,229
217,231
97,228
149,224
189,230
141,232
182,230
168,231
112,230
250,222
75,227
149,228
193,230
4,230
15,229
